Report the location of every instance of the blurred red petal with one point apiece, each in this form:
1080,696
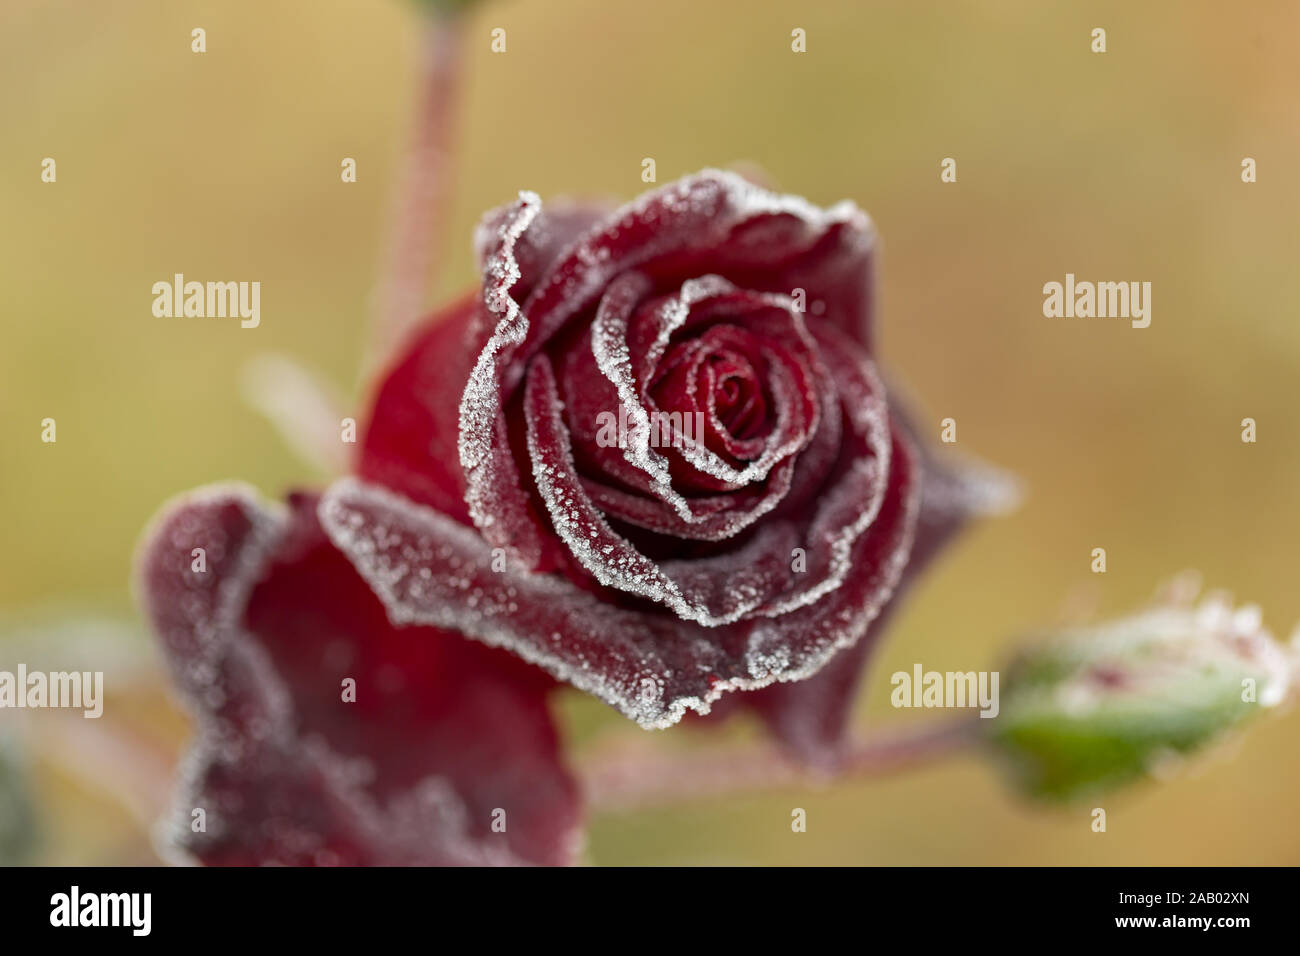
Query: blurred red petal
441,736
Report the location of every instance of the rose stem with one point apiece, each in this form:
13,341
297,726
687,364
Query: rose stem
631,779
414,251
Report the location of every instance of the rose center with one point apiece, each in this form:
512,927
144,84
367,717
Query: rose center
716,382
737,398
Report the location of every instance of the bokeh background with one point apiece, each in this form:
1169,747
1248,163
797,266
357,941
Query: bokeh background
1117,166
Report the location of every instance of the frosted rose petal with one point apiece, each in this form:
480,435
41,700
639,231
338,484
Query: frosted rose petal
652,667
283,768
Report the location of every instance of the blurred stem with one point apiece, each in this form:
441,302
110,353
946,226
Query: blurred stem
415,243
614,778
631,778
302,408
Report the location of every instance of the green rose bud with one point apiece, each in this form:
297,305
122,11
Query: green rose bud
1097,706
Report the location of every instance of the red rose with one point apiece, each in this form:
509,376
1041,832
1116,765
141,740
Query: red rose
653,457
657,578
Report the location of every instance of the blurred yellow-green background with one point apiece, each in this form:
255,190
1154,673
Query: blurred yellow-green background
1117,166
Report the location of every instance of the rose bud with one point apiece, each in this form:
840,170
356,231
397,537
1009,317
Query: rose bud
1094,707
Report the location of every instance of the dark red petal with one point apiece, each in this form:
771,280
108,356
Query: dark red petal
427,569
811,718
442,732
626,357
757,576
716,222
634,483
557,227
498,502
611,558
620,487
410,441
716,517
754,579
838,275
